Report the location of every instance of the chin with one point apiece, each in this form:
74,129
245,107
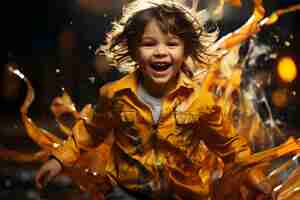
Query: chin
161,80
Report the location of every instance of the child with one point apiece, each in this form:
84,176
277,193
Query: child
167,137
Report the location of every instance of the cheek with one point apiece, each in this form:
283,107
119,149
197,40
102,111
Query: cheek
141,57
179,54
179,58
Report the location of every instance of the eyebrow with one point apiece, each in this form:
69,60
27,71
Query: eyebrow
147,37
171,37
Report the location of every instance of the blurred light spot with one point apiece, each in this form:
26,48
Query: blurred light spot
63,180
276,37
273,55
57,71
294,93
26,175
287,43
7,183
95,173
279,97
287,69
56,145
31,194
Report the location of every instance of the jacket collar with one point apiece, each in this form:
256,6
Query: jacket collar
131,81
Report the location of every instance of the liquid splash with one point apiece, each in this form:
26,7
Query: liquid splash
241,105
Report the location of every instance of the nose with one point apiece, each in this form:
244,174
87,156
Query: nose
160,50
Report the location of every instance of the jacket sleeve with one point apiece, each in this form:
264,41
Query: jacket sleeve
221,136
87,135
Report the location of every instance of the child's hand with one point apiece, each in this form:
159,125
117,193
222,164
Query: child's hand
47,172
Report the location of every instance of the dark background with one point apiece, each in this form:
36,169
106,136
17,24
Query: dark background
53,43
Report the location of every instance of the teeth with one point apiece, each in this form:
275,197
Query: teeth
161,65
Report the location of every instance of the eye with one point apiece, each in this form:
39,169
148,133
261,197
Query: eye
173,44
148,44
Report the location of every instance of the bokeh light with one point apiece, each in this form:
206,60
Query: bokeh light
280,98
287,69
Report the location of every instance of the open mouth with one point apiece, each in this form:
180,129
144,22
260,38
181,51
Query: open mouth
160,66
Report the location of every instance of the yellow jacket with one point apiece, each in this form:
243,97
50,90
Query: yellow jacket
181,155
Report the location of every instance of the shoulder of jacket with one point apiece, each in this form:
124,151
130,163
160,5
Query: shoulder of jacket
109,89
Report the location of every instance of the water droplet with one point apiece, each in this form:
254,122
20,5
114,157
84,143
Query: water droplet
277,188
273,55
92,79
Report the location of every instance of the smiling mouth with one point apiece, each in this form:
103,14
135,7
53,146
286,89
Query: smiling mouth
160,66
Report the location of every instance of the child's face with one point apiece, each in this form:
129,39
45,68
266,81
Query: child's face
159,55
